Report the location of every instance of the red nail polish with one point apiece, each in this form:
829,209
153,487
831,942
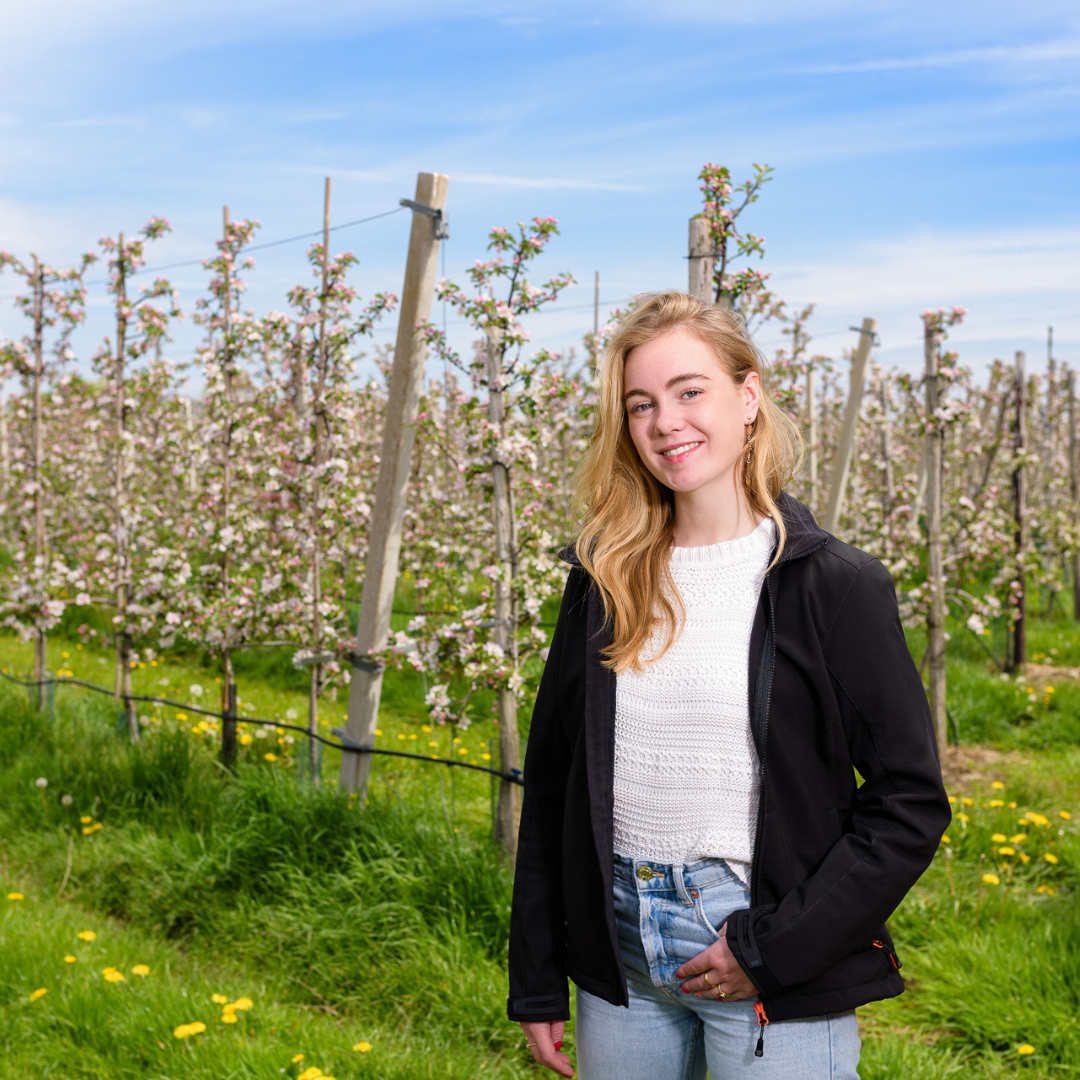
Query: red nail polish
686,989
558,1046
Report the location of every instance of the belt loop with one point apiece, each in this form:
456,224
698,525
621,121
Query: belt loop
680,885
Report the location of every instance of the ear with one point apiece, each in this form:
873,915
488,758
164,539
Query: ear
751,390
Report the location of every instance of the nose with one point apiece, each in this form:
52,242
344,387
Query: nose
666,420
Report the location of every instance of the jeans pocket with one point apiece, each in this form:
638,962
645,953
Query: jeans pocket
715,903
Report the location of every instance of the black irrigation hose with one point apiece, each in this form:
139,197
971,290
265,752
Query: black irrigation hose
513,777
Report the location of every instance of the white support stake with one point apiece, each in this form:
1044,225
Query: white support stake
842,464
384,547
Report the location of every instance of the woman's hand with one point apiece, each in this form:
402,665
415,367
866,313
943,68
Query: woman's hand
544,1040
715,973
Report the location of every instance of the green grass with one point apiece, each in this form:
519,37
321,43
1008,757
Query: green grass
387,923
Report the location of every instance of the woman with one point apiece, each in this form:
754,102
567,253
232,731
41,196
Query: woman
696,851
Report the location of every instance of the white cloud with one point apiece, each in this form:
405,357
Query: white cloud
1000,54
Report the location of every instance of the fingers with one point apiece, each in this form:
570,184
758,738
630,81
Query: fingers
544,1041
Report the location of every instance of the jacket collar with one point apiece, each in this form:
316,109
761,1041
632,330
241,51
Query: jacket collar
803,532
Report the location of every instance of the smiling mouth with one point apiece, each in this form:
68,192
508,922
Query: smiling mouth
676,453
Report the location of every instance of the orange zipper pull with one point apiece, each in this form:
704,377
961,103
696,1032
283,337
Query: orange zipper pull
762,1020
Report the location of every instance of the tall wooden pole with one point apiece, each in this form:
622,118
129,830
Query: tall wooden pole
384,543
842,464
1074,490
811,437
37,451
1019,634
700,261
319,418
935,625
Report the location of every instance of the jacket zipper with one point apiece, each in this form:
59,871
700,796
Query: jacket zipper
895,960
763,1022
771,659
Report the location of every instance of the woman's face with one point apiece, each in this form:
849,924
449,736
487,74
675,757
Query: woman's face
686,416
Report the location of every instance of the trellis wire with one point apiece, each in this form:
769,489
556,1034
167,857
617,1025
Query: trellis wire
50,684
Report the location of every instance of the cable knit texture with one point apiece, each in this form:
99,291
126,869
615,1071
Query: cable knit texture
686,770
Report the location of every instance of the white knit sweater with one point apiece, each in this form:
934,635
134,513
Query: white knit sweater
686,770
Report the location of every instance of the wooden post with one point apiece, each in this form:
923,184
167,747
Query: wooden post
37,451
1074,489
701,260
811,436
842,464
1019,634
318,415
935,623
384,546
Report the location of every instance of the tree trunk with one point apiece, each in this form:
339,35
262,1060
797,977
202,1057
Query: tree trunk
1019,634
935,626
509,811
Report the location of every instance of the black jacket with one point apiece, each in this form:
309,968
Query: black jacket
832,689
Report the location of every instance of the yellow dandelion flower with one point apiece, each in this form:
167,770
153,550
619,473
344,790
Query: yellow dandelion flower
69,959
1025,858
197,1028
297,1058
463,749
1012,806
246,740
964,819
86,819
65,655
952,800
38,994
946,839
15,896
412,736
997,785
425,727
96,826
1006,851
181,716
270,756
229,1018
87,830
140,969
485,757
1019,838
182,1032
362,1047
1025,1049
995,803
968,802
378,731
219,999
432,742
313,1072
86,935
113,977
1051,859
243,1004
1065,815
998,838
991,879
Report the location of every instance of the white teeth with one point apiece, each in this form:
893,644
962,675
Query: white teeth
675,451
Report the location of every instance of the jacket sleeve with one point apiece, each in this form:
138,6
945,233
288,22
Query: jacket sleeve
537,963
897,816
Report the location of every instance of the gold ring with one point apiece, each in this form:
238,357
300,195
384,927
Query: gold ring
528,1045
721,994
705,976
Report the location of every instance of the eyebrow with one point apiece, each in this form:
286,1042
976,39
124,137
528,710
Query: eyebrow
674,381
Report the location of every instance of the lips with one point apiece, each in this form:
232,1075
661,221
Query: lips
679,453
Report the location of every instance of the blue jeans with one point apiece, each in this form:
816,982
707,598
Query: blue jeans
664,918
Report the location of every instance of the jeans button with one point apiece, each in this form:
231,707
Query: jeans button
644,873
694,893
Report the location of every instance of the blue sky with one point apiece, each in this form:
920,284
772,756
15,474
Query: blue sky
925,155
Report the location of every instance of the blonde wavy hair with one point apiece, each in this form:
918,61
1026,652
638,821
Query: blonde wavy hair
628,515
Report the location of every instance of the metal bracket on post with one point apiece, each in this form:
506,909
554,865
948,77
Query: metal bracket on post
439,219
875,338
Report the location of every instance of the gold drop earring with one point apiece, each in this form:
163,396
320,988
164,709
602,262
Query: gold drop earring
749,433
